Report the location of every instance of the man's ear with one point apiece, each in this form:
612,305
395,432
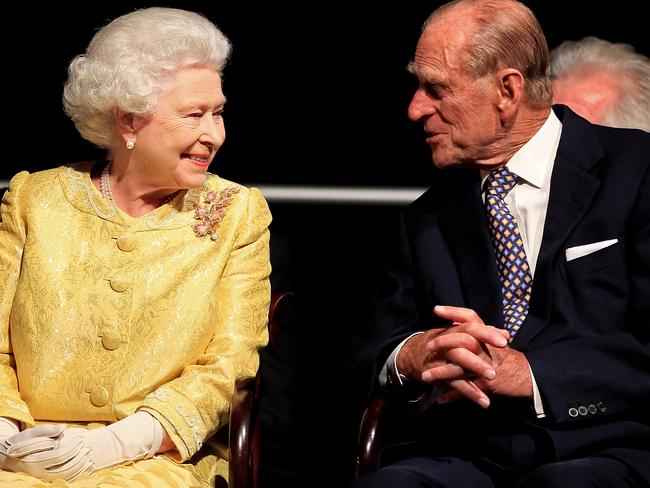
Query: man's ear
126,123
511,91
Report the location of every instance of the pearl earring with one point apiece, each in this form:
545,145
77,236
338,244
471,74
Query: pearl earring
130,144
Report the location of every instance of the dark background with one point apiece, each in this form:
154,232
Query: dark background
317,94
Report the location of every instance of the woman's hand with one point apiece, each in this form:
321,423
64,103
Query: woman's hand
8,427
167,444
77,451
29,452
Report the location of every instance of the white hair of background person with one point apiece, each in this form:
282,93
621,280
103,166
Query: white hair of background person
630,69
130,62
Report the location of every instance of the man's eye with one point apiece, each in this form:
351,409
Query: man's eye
433,90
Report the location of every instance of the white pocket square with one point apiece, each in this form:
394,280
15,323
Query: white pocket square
580,251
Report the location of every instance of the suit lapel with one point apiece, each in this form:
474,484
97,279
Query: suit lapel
462,217
571,193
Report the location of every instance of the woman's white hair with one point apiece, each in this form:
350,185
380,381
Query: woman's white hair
131,61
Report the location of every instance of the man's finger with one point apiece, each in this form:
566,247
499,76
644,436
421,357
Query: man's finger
463,340
471,363
456,314
445,372
468,390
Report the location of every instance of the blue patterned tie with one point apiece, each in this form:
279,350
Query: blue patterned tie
512,263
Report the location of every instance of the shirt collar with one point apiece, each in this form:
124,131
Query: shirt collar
533,161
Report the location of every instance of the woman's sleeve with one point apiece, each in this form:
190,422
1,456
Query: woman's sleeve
12,241
192,407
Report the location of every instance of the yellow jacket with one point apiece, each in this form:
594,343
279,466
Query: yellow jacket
103,314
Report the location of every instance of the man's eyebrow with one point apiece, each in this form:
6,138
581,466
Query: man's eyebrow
428,78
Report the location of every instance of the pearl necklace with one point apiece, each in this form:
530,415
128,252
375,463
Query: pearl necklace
105,187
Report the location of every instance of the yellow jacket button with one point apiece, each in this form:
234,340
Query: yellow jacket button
99,396
119,285
127,242
111,341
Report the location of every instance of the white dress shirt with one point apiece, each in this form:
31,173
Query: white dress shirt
527,201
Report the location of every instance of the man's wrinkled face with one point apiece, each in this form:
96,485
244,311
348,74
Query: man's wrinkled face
457,110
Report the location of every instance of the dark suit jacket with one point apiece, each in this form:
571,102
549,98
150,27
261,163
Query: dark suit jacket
587,332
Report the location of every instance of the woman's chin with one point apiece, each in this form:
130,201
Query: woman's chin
195,180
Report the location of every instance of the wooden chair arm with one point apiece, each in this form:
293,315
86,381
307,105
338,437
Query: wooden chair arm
371,435
280,312
385,414
243,426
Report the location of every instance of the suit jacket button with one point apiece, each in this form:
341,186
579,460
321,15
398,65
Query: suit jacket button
573,412
582,410
602,407
592,409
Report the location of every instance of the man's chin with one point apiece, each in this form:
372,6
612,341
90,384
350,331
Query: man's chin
443,163
441,157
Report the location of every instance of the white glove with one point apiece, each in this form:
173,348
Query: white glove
7,428
81,451
36,444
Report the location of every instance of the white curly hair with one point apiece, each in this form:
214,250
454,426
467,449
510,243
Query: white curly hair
629,68
131,61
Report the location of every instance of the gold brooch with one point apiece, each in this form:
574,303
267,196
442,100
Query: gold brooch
212,212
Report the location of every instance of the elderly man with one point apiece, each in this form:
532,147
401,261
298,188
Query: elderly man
521,292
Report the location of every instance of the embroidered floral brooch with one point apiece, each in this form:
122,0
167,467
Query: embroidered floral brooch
212,212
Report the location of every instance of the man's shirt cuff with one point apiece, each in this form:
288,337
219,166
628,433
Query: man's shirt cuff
537,398
389,374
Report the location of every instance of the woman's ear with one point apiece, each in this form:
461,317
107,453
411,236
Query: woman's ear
511,90
126,123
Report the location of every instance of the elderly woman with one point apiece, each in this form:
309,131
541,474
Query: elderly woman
134,290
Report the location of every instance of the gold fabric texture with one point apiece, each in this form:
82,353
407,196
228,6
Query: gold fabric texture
103,314
150,473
